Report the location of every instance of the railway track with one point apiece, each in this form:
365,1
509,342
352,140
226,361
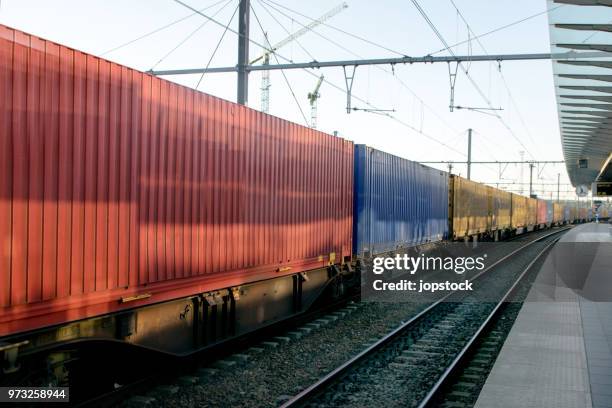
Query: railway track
413,363
461,384
169,383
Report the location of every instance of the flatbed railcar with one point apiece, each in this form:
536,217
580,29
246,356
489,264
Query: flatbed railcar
139,210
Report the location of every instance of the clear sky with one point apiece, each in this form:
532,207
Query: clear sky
419,93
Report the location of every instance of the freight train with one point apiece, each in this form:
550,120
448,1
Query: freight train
140,212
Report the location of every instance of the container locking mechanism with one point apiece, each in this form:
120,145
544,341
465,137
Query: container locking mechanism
214,298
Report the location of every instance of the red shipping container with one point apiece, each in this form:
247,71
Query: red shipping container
542,212
114,183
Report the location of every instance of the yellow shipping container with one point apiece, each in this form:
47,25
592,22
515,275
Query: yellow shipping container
500,208
573,212
520,210
532,212
470,207
557,213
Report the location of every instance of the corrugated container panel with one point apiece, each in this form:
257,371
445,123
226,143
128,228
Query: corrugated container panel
116,183
558,212
398,202
573,211
470,207
542,212
550,211
500,208
532,211
520,211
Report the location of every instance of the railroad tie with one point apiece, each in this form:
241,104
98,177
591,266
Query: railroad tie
294,335
269,344
166,390
188,380
239,358
225,364
140,401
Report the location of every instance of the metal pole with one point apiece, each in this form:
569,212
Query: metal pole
469,157
558,185
243,52
385,61
522,168
531,179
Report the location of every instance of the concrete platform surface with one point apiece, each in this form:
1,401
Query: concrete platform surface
559,351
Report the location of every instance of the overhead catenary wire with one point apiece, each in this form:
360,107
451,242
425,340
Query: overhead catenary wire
231,30
512,100
282,71
472,81
340,46
304,26
157,30
495,30
190,35
590,36
484,144
287,31
217,46
342,31
505,83
365,101
266,48
514,23
390,116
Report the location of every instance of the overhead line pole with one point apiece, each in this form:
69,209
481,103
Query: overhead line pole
469,155
428,59
243,52
531,165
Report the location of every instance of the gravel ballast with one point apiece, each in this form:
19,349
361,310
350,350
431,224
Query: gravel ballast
268,375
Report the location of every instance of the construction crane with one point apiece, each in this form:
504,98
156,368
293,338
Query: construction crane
313,97
265,75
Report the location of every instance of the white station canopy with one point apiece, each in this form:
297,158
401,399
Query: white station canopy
583,86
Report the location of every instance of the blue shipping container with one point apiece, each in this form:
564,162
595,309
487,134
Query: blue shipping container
549,212
398,202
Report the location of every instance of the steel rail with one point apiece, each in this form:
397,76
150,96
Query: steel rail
451,369
322,383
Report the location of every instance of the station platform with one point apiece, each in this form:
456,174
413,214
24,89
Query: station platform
559,351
